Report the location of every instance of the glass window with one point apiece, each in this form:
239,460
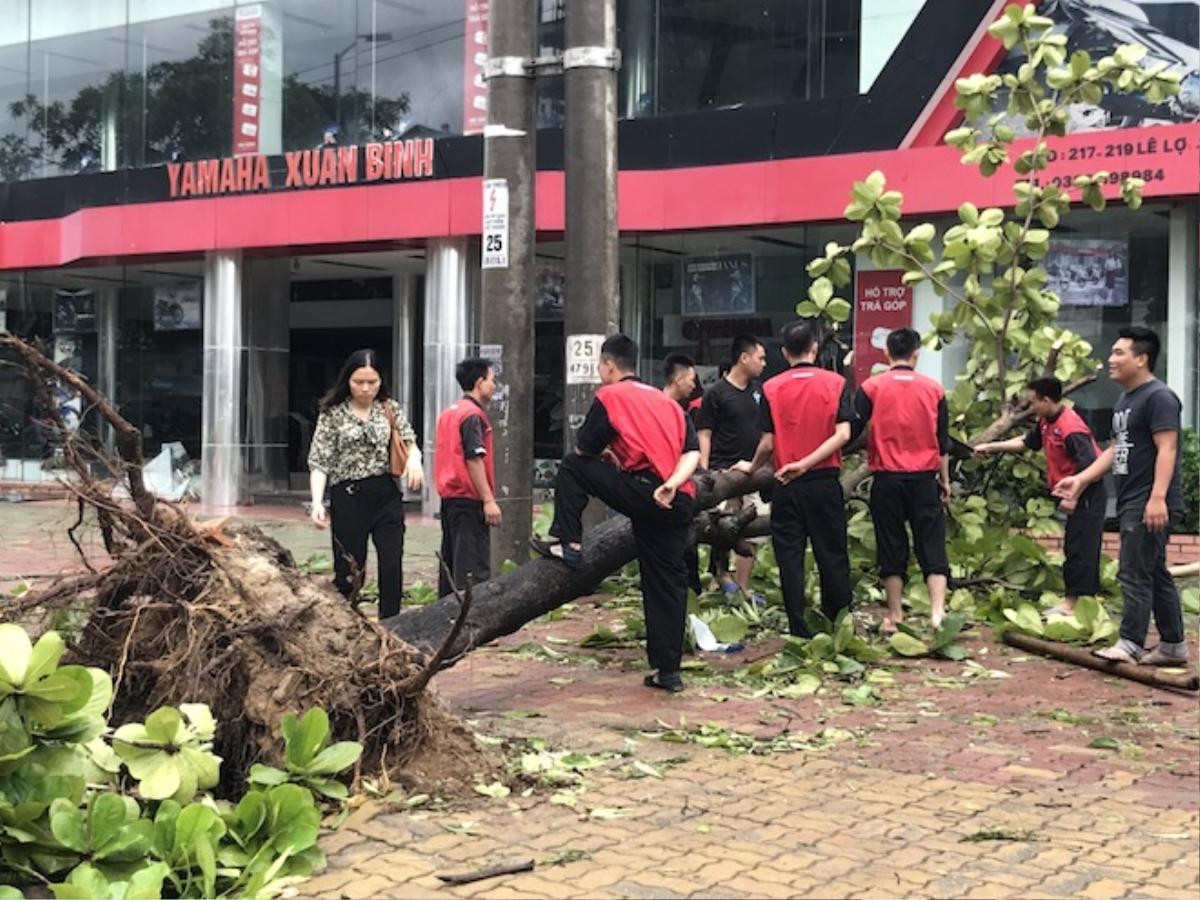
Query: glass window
1117,265
362,70
713,54
73,113
16,157
178,88
694,293
133,332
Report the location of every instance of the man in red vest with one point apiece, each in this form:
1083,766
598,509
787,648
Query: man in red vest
805,415
464,477
636,452
1070,448
907,453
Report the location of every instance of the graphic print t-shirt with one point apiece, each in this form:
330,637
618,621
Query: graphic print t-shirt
1137,415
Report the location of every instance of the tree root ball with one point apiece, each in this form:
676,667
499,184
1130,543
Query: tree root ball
256,640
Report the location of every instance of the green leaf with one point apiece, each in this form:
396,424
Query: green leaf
807,309
66,824
1104,743
146,883
165,726
907,645
84,883
15,652
1026,618
821,291
45,656
267,775
159,778
304,737
729,629
1066,629
336,758
838,309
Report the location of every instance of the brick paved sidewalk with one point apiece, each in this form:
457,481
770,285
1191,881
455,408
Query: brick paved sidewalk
950,752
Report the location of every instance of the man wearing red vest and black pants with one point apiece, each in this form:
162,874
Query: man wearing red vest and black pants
805,417
464,477
907,448
636,452
1070,448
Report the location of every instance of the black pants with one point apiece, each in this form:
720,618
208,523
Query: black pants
912,498
1146,585
812,509
466,544
660,534
1082,541
371,507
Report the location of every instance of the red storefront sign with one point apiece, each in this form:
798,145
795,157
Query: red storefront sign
247,65
882,303
475,52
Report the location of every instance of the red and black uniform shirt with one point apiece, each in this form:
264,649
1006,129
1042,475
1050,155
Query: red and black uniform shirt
802,408
910,424
463,433
1068,442
645,429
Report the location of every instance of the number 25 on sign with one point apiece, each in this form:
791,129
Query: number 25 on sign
495,223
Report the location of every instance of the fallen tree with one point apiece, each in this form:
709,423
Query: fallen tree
504,604
218,613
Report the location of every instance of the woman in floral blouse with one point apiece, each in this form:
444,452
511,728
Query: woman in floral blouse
350,456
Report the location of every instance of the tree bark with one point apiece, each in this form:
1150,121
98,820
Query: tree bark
504,604
1082,656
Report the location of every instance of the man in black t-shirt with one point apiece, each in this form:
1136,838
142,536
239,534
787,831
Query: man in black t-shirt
729,429
1144,459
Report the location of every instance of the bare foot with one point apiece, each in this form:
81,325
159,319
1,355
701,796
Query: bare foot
887,625
935,619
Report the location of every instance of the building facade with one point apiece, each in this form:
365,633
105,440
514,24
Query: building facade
206,206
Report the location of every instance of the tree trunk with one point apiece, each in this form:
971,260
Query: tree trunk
504,604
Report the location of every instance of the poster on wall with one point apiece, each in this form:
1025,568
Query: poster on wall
1088,271
882,303
1169,31
247,84
74,312
718,285
177,306
475,54
551,285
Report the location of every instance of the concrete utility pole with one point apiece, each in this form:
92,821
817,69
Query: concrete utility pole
592,303
506,328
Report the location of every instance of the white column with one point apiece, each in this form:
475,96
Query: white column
404,351
1183,317
404,337
106,352
447,338
221,471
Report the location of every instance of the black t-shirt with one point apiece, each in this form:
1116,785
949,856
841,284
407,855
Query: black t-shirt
1137,415
732,415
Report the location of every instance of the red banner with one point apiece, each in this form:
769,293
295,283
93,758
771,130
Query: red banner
247,62
882,303
475,55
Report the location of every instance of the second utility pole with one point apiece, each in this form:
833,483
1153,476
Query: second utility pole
506,327
592,303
